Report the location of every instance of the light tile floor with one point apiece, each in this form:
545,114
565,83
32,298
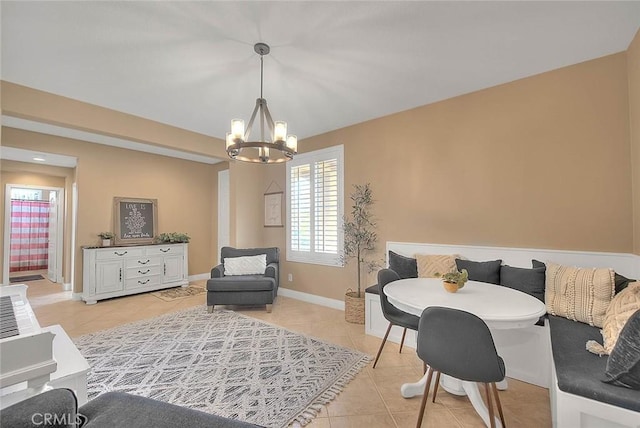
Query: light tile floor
372,399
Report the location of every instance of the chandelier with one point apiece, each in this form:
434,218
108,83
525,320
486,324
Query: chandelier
272,146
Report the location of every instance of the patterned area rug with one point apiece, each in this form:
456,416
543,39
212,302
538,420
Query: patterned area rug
179,292
223,363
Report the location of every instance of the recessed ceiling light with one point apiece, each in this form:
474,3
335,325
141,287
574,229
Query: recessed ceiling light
39,159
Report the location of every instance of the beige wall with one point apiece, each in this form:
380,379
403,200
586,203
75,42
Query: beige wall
247,187
633,70
39,175
541,162
186,191
27,103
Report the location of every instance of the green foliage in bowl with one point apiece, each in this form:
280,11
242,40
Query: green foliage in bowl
173,238
455,277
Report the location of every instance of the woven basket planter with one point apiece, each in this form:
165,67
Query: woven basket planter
354,307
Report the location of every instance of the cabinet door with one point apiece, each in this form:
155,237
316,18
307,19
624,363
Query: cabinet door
109,276
173,270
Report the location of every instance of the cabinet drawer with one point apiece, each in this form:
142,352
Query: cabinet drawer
165,249
142,271
142,282
118,253
143,262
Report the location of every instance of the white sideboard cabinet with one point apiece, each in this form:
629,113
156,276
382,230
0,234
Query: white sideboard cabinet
119,271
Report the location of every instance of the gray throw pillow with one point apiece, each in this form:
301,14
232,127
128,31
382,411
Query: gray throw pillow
537,264
623,365
621,282
405,267
530,281
481,271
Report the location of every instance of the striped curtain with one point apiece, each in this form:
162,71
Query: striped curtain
29,235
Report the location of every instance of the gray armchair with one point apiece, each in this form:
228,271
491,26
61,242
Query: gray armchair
259,289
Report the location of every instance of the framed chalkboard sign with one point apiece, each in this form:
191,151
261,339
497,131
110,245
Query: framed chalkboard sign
136,220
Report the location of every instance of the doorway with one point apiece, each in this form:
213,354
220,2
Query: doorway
33,231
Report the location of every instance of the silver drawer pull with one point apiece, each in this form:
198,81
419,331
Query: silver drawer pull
165,251
145,272
119,254
144,263
144,282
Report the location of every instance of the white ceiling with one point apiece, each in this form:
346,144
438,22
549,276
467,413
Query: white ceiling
332,64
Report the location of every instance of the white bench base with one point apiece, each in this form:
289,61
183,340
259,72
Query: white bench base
569,410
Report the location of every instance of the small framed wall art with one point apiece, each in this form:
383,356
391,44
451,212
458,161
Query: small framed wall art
136,220
273,209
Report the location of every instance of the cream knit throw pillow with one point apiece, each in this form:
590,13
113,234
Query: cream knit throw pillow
579,294
623,305
430,264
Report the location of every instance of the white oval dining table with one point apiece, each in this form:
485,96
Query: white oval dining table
499,307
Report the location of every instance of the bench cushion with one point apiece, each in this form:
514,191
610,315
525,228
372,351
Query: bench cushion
580,372
372,289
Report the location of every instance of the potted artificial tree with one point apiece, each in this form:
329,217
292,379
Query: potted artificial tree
360,241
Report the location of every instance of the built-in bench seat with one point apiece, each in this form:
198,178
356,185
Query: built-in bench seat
580,372
554,355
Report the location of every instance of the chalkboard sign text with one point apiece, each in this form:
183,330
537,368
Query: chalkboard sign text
135,220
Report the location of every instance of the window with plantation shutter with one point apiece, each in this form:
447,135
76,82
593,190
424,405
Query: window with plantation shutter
315,208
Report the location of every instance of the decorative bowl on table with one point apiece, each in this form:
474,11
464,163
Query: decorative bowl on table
454,280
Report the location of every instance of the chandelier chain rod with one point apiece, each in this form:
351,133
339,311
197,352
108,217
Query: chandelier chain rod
261,73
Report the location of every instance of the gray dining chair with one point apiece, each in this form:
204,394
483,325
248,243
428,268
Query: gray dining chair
394,315
459,344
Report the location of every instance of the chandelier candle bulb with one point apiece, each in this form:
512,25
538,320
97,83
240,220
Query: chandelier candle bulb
292,143
264,154
280,131
237,128
229,140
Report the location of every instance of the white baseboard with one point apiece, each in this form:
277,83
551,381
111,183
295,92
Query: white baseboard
312,298
200,276
286,292
76,296
66,286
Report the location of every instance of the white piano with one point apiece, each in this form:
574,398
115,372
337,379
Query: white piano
33,358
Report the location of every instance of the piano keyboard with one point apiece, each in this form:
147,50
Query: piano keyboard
8,323
27,350
16,311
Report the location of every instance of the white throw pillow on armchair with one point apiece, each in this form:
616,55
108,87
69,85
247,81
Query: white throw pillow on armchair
245,265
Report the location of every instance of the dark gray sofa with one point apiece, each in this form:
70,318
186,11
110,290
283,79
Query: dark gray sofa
59,408
244,289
